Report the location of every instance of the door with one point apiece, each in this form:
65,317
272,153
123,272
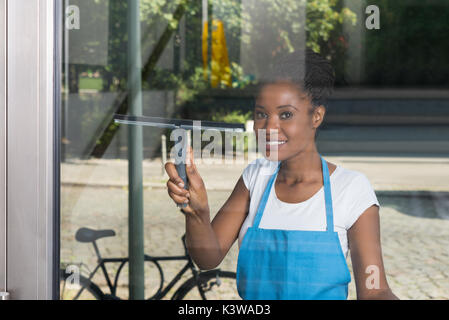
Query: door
26,148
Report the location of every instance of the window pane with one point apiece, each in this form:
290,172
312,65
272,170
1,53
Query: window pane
386,119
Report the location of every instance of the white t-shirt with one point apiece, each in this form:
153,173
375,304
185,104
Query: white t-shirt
352,194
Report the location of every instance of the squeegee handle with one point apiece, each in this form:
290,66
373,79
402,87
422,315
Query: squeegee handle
180,164
181,168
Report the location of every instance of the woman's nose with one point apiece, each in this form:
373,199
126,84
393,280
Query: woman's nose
269,129
272,123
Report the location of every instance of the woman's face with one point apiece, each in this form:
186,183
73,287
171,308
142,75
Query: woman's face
288,112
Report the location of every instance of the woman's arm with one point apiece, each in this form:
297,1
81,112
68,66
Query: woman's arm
366,256
208,242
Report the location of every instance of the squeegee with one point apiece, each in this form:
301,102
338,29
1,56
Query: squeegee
182,142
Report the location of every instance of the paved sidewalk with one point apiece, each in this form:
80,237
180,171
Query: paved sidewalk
413,193
385,173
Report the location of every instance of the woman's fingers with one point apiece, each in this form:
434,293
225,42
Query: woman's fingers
196,196
191,170
173,174
189,156
176,189
177,198
175,185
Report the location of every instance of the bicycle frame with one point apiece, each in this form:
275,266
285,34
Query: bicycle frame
161,292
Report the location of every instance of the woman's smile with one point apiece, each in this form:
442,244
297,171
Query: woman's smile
274,144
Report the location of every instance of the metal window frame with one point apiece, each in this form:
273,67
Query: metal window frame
29,108
57,56
3,147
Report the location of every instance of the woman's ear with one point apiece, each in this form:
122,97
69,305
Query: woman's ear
318,116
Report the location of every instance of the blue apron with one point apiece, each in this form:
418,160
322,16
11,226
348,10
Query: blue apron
292,264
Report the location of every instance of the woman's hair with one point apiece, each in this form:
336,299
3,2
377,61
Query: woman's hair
311,72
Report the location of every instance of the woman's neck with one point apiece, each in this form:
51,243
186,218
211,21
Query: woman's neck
303,167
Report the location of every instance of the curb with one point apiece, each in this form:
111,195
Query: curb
154,185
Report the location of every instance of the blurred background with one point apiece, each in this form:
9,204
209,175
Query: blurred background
388,117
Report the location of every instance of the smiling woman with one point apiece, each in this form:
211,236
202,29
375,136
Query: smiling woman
296,96
295,214
293,109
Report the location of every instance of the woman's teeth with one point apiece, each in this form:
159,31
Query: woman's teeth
275,143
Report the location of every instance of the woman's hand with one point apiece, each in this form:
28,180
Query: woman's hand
207,242
195,196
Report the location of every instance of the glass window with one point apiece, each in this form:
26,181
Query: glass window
162,61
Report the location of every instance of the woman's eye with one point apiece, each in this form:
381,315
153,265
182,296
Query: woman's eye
286,115
260,115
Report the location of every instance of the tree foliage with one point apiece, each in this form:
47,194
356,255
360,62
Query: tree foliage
178,67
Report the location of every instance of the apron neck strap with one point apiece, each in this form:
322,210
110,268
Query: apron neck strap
264,199
327,197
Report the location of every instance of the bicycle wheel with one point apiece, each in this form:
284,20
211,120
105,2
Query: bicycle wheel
68,291
214,285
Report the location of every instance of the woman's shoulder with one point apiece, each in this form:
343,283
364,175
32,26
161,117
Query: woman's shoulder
349,178
354,194
349,173
258,168
262,164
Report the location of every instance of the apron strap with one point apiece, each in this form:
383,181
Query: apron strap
264,199
327,197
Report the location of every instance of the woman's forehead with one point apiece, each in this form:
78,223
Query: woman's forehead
281,93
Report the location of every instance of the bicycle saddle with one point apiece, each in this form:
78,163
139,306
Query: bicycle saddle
89,235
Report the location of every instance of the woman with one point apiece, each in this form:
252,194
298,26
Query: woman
295,214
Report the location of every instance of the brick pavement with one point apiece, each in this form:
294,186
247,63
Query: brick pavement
415,238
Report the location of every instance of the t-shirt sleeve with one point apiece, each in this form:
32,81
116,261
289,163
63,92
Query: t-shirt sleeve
362,197
248,175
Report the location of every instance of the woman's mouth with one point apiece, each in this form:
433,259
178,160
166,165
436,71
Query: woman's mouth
276,144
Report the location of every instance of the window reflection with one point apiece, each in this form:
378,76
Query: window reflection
388,117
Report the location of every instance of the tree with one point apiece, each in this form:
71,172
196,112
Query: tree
318,20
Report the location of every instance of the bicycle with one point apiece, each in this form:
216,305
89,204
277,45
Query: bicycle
207,282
